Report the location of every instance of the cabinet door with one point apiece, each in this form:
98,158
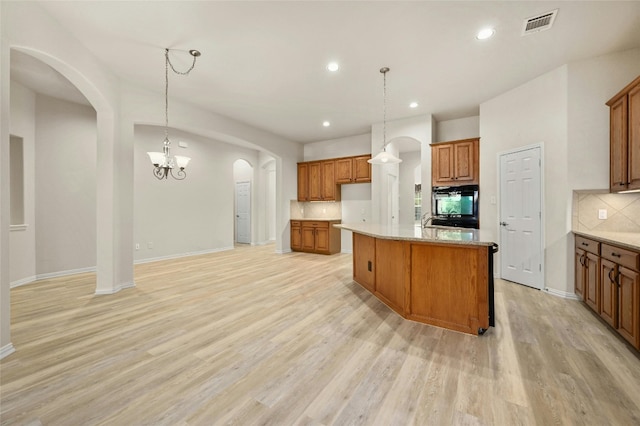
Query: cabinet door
296,237
362,169
633,152
329,187
609,292
315,181
579,272
442,164
628,309
464,162
364,253
322,239
618,145
308,238
592,281
303,182
344,170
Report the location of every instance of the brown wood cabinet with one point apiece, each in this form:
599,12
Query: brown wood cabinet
315,236
624,133
440,284
614,293
455,163
296,235
303,181
321,180
316,181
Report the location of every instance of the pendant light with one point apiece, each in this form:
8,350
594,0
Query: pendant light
164,164
383,156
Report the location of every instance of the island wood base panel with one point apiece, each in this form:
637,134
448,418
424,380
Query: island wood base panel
446,285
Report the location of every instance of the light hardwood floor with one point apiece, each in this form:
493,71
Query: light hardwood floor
252,337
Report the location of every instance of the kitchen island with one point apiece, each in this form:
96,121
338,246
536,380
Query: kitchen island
436,275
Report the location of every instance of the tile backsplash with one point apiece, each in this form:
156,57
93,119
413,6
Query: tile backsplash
330,210
622,211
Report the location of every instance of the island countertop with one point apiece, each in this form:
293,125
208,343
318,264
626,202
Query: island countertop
439,234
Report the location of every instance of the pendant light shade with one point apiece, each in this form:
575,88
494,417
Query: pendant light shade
383,156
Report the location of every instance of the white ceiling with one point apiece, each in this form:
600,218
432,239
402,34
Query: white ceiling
263,62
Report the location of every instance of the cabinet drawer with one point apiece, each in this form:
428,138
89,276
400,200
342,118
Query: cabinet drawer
588,245
627,258
316,224
295,223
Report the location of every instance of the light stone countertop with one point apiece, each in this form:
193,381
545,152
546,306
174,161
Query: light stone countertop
440,234
628,240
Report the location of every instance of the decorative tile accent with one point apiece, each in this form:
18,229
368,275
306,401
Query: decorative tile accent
623,212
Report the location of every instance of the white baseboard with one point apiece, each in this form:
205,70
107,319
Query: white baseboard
346,251
65,273
116,289
563,294
284,251
177,256
23,281
7,350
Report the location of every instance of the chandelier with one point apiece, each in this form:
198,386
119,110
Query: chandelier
383,156
164,164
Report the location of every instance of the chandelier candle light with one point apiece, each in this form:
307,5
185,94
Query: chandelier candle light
163,162
383,156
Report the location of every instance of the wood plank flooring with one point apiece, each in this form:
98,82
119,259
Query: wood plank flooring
250,337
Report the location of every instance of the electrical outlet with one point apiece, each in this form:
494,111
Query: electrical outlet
602,213
137,246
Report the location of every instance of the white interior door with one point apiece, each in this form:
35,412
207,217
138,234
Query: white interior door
243,212
521,247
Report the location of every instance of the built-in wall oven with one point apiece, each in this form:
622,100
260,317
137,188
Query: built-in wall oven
455,206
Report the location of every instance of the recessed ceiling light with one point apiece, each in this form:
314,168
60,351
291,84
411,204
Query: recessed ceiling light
413,105
326,123
485,33
333,66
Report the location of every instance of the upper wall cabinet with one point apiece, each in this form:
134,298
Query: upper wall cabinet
320,180
455,163
316,181
353,169
624,113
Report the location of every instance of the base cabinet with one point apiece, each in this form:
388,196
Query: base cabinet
446,285
317,236
614,291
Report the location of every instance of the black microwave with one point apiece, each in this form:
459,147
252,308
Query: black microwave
455,206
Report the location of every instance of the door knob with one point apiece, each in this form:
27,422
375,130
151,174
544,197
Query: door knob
504,224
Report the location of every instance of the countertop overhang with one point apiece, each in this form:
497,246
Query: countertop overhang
439,234
629,240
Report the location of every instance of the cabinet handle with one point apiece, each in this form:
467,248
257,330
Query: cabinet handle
615,255
585,244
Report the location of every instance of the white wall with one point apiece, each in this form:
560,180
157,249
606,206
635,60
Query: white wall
593,82
410,160
65,186
461,128
194,215
22,245
564,111
335,148
534,113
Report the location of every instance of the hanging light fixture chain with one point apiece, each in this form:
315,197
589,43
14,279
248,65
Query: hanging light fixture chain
193,53
384,72
166,95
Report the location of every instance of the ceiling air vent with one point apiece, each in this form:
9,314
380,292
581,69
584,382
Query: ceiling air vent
539,23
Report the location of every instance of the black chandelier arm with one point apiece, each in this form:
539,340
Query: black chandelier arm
160,172
179,174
